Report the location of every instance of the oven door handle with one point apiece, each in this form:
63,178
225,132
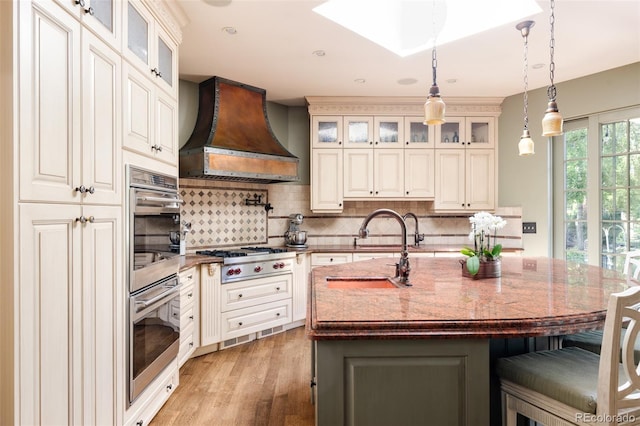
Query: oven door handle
159,299
162,200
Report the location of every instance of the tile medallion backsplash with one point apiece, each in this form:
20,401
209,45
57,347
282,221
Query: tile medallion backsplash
220,217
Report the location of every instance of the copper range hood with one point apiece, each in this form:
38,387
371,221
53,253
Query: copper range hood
232,138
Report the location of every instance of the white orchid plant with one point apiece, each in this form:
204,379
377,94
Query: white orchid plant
484,226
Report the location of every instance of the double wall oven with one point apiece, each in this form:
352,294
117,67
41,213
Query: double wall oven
153,258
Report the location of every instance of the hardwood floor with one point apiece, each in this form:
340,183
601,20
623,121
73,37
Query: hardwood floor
264,382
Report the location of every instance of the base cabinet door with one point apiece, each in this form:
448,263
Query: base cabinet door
209,304
326,180
71,315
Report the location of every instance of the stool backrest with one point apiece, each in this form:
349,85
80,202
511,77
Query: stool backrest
618,391
632,264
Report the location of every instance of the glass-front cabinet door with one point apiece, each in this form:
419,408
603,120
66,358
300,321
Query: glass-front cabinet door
358,132
480,132
417,134
388,132
326,131
102,16
451,133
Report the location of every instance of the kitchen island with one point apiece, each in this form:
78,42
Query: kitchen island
421,354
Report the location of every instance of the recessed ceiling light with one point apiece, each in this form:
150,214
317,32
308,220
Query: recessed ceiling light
407,27
407,81
452,80
537,66
318,52
230,30
359,80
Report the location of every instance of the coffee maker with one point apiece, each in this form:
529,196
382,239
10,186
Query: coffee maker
294,237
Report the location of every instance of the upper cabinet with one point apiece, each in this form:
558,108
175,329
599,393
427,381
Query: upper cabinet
103,17
476,132
382,150
149,47
326,132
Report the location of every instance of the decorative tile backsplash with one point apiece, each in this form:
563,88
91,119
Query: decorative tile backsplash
220,217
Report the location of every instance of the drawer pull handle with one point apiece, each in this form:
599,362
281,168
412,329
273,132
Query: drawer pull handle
191,317
190,295
169,386
190,344
190,277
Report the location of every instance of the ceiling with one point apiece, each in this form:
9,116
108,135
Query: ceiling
275,40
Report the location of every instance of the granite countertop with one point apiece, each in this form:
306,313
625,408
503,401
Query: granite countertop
366,248
534,297
191,260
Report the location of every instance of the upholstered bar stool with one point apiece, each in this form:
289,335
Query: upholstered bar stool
572,386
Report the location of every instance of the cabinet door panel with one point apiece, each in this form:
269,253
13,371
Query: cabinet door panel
326,131
450,179
326,180
138,104
166,133
209,304
50,103
103,292
419,171
101,161
50,315
480,187
358,172
388,165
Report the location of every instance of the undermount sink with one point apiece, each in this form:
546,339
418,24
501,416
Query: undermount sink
360,282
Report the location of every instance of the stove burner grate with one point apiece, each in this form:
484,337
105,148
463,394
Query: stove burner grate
221,253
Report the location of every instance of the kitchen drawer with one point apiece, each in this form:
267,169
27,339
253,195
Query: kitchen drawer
187,319
254,292
187,343
188,277
373,255
319,259
153,397
255,318
187,296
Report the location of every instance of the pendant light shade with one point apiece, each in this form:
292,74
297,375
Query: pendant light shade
434,108
525,146
552,120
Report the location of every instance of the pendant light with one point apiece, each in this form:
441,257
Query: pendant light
434,107
552,120
525,147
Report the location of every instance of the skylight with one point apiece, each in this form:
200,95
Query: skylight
406,27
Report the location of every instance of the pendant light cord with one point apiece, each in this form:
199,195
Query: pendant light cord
526,81
434,61
551,90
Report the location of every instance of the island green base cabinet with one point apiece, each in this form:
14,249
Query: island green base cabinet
436,382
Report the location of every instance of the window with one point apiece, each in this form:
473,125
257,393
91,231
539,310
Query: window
575,193
619,190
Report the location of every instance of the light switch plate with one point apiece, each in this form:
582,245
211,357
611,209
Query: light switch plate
528,227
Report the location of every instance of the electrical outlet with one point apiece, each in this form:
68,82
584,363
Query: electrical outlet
528,227
530,264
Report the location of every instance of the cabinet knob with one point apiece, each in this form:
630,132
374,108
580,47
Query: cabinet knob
240,296
407,192
190,344
462,204
278,314
140,423
190,295
191,317
340,205
339,142
89,11
80,3
169,386
240,324
406,143
84,219
277,288
370,192
331,259
468,205
156,72
376,192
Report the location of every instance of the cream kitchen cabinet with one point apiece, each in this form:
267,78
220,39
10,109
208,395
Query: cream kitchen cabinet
150,118
149,47
472,132
373,173
254,305
326,131
70,145
104,18
417,134
388,132
153,398
374,255
358,132
327,180
70,311
465,180
300,286
419,173
210,305
189,314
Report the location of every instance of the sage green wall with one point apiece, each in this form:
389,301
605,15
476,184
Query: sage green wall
289,124
523,180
